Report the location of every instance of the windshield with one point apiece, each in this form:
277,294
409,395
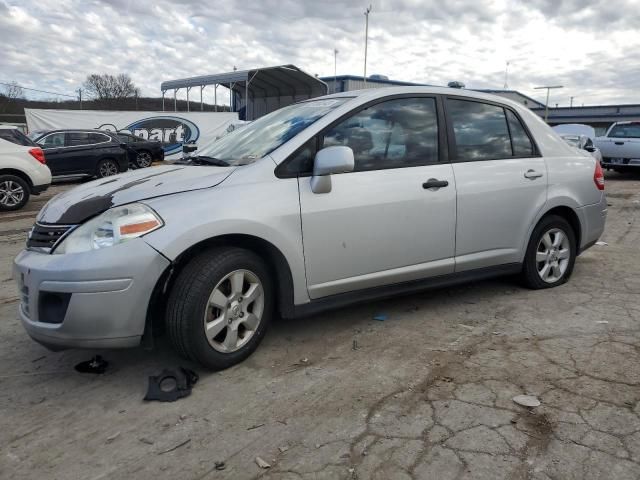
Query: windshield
625,130
264,135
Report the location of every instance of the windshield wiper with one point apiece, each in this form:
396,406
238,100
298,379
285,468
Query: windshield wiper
204,160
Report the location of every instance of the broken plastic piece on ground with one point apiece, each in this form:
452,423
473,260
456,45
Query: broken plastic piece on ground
220,465
96,365
262,463
380,317
602,244
171,385
527,400
602,321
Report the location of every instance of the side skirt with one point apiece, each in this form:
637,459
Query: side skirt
378,293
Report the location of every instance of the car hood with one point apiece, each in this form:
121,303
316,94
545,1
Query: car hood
92,198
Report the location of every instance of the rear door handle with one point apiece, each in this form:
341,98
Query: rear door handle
619,143
532,174
435,183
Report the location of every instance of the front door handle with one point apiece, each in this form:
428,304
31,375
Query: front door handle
435,183
532,174
619,143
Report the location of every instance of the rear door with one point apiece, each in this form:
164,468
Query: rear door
53,146
381,223
501,182
83,150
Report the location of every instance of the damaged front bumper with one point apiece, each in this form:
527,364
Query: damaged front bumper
95,299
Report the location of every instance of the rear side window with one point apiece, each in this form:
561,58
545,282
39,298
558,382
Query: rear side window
522,145
98,138
480,130
78,138
626,130
52,140
16,136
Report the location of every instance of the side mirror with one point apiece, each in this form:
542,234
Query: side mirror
329,161
590,148
189,148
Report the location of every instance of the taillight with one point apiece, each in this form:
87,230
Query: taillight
38,154
598,176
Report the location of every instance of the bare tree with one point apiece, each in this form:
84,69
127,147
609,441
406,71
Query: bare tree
13,91
107,87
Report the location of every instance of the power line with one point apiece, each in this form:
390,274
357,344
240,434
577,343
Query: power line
36,90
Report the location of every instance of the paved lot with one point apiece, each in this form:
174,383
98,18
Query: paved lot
425,394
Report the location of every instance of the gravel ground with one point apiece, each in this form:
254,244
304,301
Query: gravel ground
426,394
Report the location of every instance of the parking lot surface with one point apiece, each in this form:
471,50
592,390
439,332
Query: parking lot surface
425,394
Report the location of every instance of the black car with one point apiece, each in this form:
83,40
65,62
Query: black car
145,151
92,153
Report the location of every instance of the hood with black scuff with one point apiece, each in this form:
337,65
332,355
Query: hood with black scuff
92,198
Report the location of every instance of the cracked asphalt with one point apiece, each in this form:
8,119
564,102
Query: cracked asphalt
426,394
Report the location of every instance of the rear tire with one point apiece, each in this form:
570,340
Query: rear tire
14,193
107,168
551,254
220,307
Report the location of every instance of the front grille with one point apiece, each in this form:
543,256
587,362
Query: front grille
46,236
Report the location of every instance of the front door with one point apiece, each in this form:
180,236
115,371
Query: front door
501,183
385,222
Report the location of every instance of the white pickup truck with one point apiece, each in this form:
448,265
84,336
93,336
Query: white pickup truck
620,146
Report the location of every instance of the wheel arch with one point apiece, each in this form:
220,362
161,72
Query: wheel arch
276,263
17,173
570,215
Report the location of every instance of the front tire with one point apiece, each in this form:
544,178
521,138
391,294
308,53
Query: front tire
143,159
551,254
219,307
14,193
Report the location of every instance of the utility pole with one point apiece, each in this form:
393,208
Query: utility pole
335,70
506,76
546,104
366,41
80,97
571,102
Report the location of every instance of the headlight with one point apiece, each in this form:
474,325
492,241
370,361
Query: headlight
112,227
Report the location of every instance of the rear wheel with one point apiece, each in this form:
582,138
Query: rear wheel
14,193
551,253
107,168
143,159
220,306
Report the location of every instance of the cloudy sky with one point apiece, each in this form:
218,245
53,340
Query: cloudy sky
592,47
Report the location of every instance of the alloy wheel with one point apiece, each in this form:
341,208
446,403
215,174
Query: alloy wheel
234,311
11,193
108,169
553,255
144,159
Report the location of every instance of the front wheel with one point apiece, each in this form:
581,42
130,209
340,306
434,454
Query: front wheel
551,253
219,307
14,193
143,159
107,168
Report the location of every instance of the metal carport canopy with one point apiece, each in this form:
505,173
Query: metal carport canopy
259,83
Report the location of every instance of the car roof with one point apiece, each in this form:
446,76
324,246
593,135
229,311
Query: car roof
8,127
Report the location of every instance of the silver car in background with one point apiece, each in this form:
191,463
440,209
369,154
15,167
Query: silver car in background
330,201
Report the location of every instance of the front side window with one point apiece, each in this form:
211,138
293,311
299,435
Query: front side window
52,141
262,136
480,130
625,130
392,134
125,138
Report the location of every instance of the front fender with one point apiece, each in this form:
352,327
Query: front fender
268,210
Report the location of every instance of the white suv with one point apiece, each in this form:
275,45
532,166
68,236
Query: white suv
23,170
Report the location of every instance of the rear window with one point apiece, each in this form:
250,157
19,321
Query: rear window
626,130
16,136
